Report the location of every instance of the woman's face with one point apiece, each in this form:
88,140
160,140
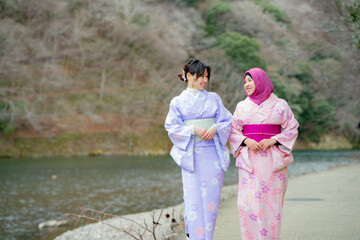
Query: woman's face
198,83
249,85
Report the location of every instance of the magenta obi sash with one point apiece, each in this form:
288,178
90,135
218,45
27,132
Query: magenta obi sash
259,132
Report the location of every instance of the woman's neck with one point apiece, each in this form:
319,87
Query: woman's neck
190,86
193,91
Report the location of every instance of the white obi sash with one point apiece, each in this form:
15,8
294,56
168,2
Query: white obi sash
204,123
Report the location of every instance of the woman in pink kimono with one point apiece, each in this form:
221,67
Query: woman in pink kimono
199,126
263,134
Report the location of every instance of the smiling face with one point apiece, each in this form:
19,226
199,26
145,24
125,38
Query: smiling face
249,85
198,83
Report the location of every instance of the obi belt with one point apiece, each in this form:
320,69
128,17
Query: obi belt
259,132
204,123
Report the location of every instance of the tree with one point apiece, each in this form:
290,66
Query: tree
350,12
242,50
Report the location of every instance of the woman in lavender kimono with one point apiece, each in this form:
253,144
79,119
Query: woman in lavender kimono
199,126
263,134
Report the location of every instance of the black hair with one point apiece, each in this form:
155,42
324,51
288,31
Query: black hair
247,74
194,66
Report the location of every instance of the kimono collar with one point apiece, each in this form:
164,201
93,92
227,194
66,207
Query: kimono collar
193,91
263,85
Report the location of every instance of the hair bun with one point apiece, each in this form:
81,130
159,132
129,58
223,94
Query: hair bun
180,76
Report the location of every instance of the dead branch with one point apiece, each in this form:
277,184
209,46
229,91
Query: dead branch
111,215
155,224
80,216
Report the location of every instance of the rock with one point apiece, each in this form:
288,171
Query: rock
122,226
52,224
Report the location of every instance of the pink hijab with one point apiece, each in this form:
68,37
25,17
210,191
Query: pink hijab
263,85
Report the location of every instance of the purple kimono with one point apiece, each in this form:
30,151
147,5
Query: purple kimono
202,162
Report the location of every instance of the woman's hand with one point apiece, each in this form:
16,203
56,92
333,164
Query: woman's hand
266,143
209,134
252,144
199,131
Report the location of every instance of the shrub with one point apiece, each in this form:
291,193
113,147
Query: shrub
278,14
304,73
314,113
7,119
22,11
215,17
322,55
141,19
316,116
301,71
190,3
280,89
242,50
319,51
352,19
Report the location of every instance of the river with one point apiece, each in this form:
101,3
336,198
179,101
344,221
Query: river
34,190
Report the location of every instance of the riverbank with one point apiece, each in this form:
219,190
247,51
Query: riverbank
317,206
152,142
170,224
320,205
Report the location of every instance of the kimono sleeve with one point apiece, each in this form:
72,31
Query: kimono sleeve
236,136
179,134
281,154
222,122
289,133
241,153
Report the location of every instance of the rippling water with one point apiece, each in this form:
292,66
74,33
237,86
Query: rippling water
41,189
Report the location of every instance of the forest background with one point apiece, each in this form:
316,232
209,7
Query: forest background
96,76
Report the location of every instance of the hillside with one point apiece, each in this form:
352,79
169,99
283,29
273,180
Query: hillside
79,77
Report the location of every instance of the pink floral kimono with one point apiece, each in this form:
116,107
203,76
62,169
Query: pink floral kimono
262,175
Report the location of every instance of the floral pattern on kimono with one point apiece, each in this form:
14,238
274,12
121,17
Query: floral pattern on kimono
262,175
202,162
